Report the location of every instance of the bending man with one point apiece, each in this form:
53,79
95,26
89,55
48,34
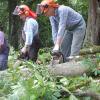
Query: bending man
29,33
68,27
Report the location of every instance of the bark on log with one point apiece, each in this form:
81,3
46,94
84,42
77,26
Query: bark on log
69,68
87,93
92,50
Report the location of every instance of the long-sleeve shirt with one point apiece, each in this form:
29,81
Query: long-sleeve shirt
65,19
30,30
1,38
4,44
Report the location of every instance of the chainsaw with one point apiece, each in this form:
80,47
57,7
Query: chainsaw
57,58
23,56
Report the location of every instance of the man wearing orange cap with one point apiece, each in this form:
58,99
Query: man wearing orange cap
29,32
68,27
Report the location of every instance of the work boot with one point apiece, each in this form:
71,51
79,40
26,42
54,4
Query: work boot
73,58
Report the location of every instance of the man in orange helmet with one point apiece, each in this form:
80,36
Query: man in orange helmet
68,27
29,33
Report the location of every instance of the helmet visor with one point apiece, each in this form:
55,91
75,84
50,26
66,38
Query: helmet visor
16,11
38,9
41,9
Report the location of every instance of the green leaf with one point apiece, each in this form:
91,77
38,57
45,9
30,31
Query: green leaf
57,94
96,73
64,81
38,76
54,98
72,97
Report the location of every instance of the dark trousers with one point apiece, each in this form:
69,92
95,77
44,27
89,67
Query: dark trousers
4,60
34,49
32,54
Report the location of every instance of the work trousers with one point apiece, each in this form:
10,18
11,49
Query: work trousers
73,39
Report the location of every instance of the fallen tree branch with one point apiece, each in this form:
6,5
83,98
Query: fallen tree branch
87,93
92,50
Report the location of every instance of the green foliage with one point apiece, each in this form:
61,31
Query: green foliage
44,55
45,31
72,97
96,71
4,14
30,81
80,6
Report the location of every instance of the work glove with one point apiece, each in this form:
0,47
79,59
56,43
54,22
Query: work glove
57,57
55,53
25,49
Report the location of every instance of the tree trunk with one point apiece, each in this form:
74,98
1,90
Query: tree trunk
88,30
93,26
13,24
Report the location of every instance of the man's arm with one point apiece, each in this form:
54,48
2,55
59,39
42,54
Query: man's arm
30,29
63,13
54,28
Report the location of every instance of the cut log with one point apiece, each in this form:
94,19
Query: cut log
80,93
92,50
71,68
88,93
68,69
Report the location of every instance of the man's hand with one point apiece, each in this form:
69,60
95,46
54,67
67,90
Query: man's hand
25,49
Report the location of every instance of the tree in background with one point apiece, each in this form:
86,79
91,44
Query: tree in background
93,26
13,25
4,14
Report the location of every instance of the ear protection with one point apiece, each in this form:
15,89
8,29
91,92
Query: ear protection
26,13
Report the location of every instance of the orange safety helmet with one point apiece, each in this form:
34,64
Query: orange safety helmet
24,9
45,4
